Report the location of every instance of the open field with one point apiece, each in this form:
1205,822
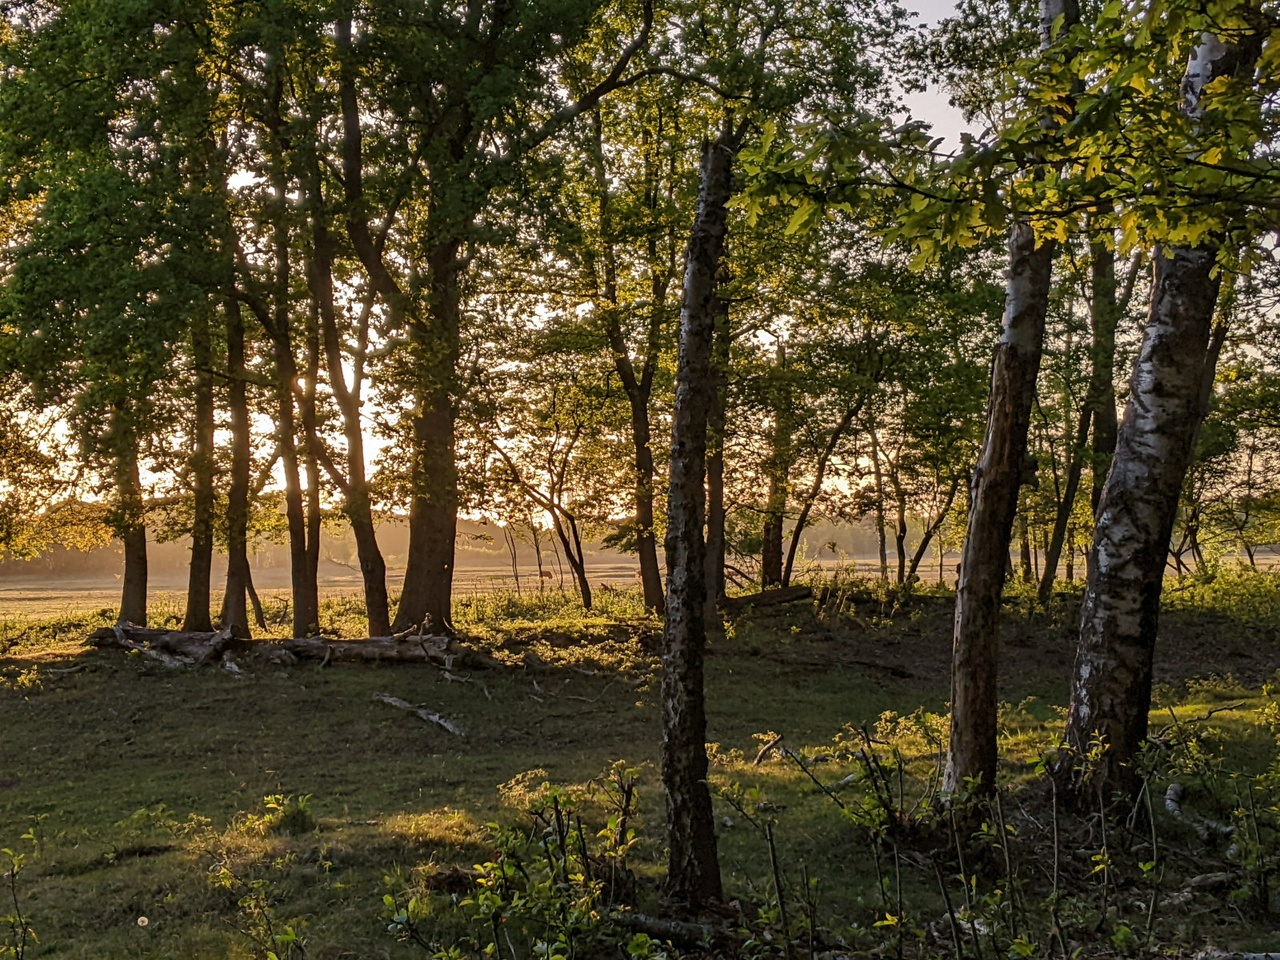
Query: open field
144,791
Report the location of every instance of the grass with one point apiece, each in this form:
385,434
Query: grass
178,795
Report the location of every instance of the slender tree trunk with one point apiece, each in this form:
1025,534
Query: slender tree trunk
993,499
132,524
235,613
638,388
694,870
900,523
197,616
311,464
1169,394
571,540
357,503
278,323
778,467
1024,550
930,531
815,489
1102,390
881,533
1075,467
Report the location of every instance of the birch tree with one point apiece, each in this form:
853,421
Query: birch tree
1169,389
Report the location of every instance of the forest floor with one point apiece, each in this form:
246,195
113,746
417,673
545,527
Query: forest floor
192,813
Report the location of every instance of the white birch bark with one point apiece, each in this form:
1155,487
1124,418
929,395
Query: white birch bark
1111,691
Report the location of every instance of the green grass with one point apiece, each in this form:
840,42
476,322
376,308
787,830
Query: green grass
142,789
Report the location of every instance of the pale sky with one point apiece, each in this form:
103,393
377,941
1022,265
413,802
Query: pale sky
932,105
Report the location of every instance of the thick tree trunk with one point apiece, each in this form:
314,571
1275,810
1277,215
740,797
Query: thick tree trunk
132,526
694,868
197,615
1169,395
235,611
993,502
771,540
1111,694
433,507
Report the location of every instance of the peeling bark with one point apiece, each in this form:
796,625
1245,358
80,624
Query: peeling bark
693,868
1111,693
993,496
1169,392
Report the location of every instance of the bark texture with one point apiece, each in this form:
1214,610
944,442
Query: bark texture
694,869
971,755
1169,393
1111,692
993,496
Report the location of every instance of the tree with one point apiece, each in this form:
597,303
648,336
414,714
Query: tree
1169,391
993,496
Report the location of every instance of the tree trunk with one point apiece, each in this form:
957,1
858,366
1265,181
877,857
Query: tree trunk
900,523
815,488
1169,394
930,531
1024,550
1111,694
197,615
778,467
1102,389
694,869
311,464
638,388
771,541
357,504
235,611
277,321
433,507
878,475
993,497
1053,552
993,502
132,524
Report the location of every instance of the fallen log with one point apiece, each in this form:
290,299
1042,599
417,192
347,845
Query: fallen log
680,932
178,648
767,598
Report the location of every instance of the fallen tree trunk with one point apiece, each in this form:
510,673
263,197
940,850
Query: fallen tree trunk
767,598
195,648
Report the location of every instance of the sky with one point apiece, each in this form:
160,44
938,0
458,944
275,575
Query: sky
932,105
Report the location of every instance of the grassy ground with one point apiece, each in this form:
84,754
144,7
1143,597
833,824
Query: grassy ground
161,815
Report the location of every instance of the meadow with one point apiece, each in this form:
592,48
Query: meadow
193,813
